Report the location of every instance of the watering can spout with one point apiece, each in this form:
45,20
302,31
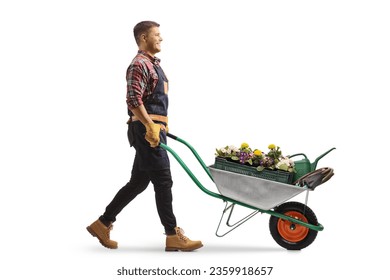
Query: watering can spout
314,163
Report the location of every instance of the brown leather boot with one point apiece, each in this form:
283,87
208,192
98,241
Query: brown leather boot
179,242
99,230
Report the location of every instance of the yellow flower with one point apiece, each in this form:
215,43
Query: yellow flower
244,145
257,152
271,146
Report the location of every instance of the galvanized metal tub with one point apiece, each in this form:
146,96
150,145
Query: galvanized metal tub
253,191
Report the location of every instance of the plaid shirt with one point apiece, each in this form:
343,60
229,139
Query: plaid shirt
141,79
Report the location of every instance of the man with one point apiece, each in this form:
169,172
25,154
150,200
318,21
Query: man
147,100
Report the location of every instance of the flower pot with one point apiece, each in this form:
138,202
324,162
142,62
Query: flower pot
272,175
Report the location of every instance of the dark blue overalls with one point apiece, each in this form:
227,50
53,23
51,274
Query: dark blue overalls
150,164
156,104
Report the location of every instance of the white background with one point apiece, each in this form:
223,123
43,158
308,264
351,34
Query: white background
305,75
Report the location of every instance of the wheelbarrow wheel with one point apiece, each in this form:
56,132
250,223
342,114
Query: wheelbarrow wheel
288,234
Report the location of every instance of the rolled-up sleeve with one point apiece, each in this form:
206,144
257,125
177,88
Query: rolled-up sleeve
136,85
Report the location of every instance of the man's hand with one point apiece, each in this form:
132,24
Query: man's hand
153,134
152,129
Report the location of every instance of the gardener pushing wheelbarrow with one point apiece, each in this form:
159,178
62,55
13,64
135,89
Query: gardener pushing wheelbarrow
147,99
293,225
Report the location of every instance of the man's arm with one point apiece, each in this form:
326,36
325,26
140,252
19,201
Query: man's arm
136,81
142,115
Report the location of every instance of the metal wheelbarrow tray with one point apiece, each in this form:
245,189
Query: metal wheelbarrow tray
293,225
257,192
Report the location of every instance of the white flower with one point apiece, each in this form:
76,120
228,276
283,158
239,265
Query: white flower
233,148
285,161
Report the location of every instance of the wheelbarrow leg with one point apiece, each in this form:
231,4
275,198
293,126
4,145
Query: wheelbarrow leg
235,225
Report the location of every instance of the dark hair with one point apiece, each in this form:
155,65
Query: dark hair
143,28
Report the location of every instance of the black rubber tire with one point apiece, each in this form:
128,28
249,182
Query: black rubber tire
306,212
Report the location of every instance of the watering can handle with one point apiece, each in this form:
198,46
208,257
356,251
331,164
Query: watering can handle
300,154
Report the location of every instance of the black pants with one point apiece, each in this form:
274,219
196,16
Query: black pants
140,179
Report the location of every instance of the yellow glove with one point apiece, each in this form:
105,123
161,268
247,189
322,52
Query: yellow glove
153,134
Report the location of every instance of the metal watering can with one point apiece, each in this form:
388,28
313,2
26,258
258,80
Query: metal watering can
304,166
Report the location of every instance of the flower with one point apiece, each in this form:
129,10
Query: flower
271,146
244,145
256,158
243,155
285,164
274,152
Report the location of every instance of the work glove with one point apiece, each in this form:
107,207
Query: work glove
153,134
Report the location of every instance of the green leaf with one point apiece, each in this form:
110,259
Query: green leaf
234,158
283,167
260,168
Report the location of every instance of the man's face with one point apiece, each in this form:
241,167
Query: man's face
153,41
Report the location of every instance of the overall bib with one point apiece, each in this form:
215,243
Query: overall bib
155,104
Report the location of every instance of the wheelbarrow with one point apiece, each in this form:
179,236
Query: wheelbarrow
293,225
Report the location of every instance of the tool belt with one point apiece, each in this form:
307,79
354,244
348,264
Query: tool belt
158,118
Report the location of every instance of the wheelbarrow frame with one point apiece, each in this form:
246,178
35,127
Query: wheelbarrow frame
233,202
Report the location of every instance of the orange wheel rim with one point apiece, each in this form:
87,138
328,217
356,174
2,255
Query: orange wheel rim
290,231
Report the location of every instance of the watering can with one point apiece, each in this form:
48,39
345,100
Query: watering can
304,166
